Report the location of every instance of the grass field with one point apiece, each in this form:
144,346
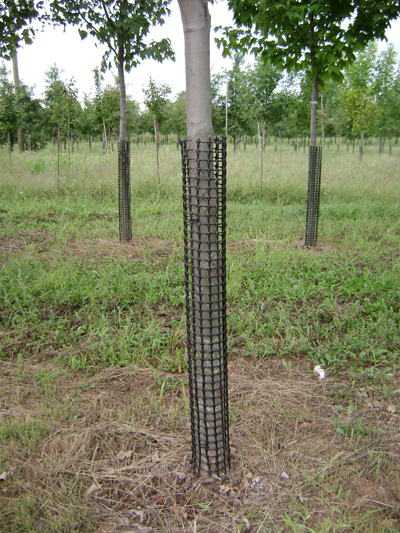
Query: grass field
94,426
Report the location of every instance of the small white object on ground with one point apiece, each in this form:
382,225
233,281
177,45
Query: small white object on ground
319,372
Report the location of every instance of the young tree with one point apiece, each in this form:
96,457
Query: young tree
33,119
203,255
156,101
359,98
321,36
237,100
10,112
176,116
385,83
263,80
219,103
61,102
17,97
123,27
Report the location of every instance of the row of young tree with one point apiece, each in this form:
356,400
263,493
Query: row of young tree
60,114
263,98
255,99
319,36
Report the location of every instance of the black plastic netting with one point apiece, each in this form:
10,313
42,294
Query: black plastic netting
313,195
124,191
204,213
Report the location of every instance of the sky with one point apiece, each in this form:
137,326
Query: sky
77,58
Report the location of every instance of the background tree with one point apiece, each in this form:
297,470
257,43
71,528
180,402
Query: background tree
238,108
318,35
359,98
61,101
385,81
16,26
219,102
98,108
33,119
123,27
156,101
10,112
263,79
176,116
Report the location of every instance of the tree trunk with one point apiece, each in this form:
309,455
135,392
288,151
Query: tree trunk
226,110
58,156
16,86
125,224
104,134
314,104
208,377
262,153
361,144
9,148
157,138
69,137
122,95
322,121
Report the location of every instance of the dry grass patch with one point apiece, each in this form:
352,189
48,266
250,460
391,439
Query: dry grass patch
110,453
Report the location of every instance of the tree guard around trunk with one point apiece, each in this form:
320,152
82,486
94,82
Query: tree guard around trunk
204,214
124,192
313,196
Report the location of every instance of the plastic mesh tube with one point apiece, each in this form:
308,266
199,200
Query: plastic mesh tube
204,213
124,192
313,196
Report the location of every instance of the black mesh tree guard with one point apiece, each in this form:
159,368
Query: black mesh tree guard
124,192
313,195
204,215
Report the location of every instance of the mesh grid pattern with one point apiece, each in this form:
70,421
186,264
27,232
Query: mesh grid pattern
204,213
313,196
124,192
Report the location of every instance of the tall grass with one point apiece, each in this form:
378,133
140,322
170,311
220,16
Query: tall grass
93,174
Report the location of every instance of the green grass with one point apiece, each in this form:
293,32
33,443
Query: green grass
93,345
337,305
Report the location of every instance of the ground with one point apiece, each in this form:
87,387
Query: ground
110,451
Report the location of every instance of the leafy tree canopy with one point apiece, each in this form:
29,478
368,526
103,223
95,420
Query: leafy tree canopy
16,17
323,35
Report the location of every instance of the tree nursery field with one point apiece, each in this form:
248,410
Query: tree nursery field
94,402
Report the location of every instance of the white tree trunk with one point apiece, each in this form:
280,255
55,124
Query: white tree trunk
314,105
122,95
196,27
